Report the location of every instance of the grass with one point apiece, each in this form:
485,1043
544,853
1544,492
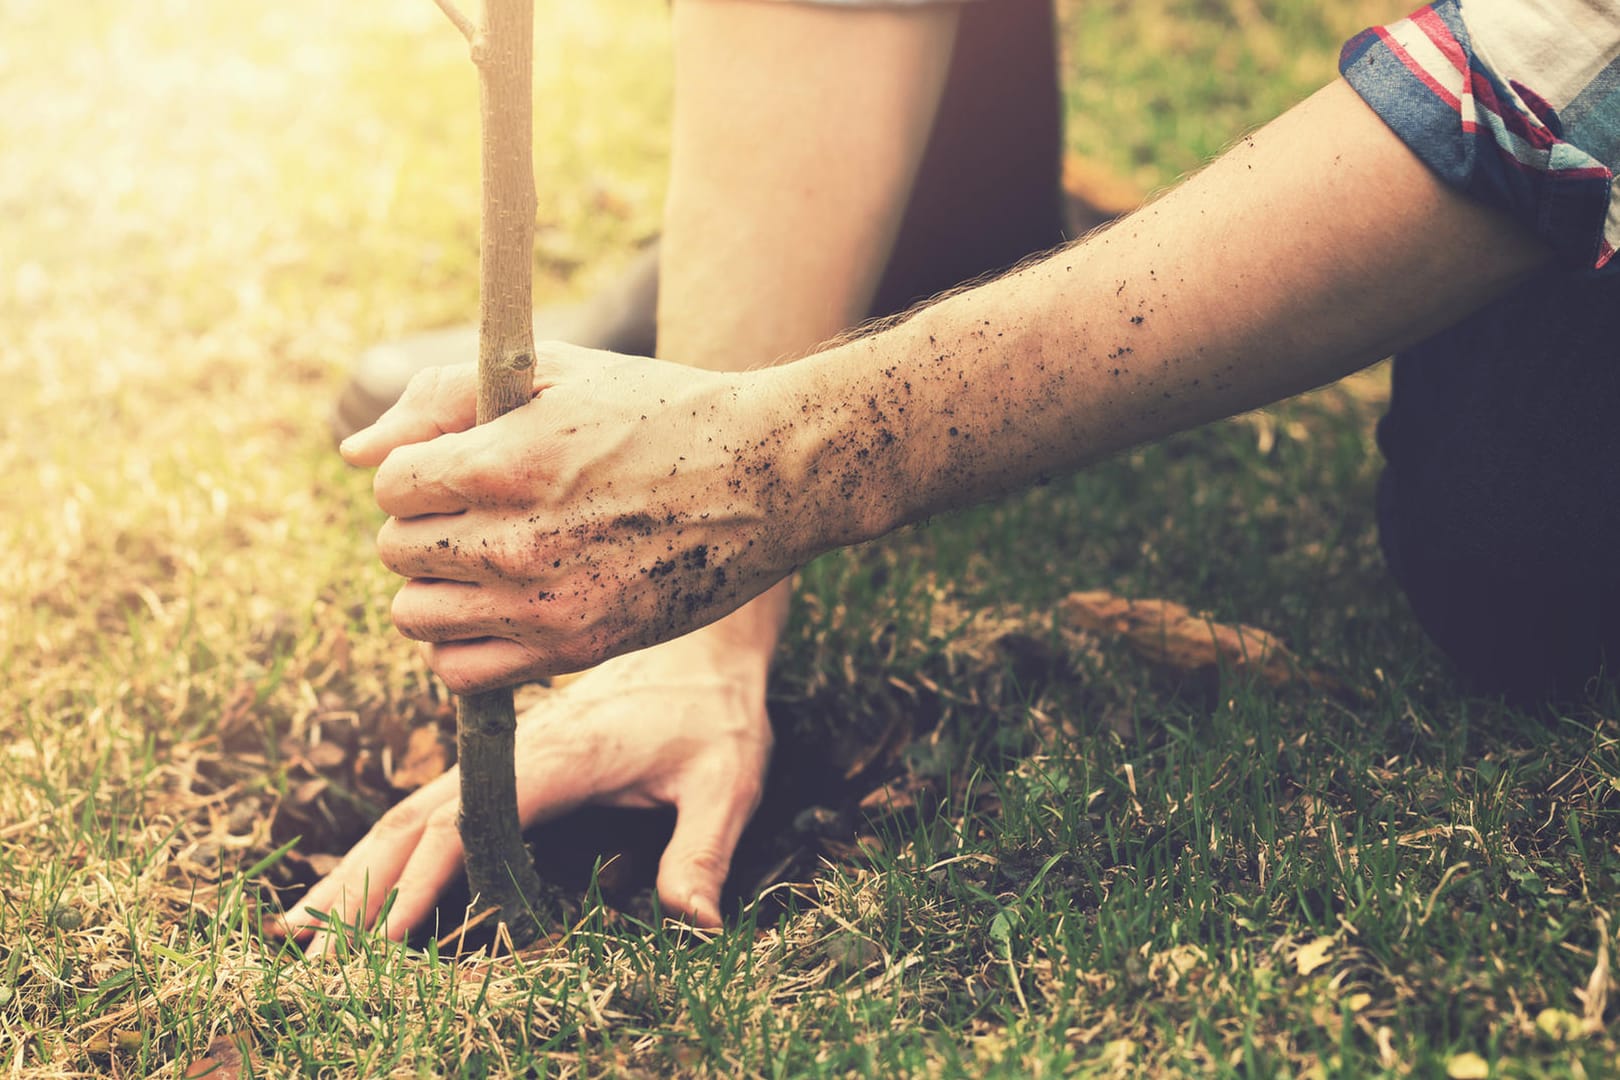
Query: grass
1111,871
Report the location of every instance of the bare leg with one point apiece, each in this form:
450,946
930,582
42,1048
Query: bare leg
797,134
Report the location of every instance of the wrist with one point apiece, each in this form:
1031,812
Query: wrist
749,635
844,454
737,648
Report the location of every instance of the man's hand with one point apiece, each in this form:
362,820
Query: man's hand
682,725
629,502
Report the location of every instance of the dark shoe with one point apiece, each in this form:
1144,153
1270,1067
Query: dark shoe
620,318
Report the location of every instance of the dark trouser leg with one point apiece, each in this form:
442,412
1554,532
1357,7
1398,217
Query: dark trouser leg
1499,510
989,190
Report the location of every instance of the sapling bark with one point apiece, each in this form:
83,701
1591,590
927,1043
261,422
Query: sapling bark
499,869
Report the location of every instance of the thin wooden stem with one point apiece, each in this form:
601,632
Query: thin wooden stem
468,29
499,869
500,872
506,258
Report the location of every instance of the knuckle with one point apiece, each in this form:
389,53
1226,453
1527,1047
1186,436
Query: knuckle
484,465
707,862
551,357
396,476
490,473
423,385
492,556
402,819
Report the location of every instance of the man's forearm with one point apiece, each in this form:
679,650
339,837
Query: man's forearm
1312,248
1316,246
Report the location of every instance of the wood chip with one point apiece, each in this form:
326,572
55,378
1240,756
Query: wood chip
1170,634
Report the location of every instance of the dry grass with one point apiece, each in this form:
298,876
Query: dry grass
206,210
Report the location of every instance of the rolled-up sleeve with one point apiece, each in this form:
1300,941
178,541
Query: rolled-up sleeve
1516,103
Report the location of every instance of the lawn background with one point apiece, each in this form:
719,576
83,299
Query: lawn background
206,210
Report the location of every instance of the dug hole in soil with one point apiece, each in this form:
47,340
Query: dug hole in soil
827,793
854,758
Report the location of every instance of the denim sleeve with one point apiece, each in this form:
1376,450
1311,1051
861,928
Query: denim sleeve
1516,102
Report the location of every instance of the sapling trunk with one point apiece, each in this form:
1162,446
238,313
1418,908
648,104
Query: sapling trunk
499,869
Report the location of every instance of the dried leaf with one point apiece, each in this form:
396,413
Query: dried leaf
851,952
337,649
1468,1066
223,1061
884,748
117,1040
308,791
237,729
1172,965
325,755
1312,955
845,851
889,798
1559,1024
1117,1054
426,759
1168,633
1595,997
815,821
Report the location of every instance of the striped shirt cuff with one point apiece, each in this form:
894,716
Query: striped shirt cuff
1515,103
